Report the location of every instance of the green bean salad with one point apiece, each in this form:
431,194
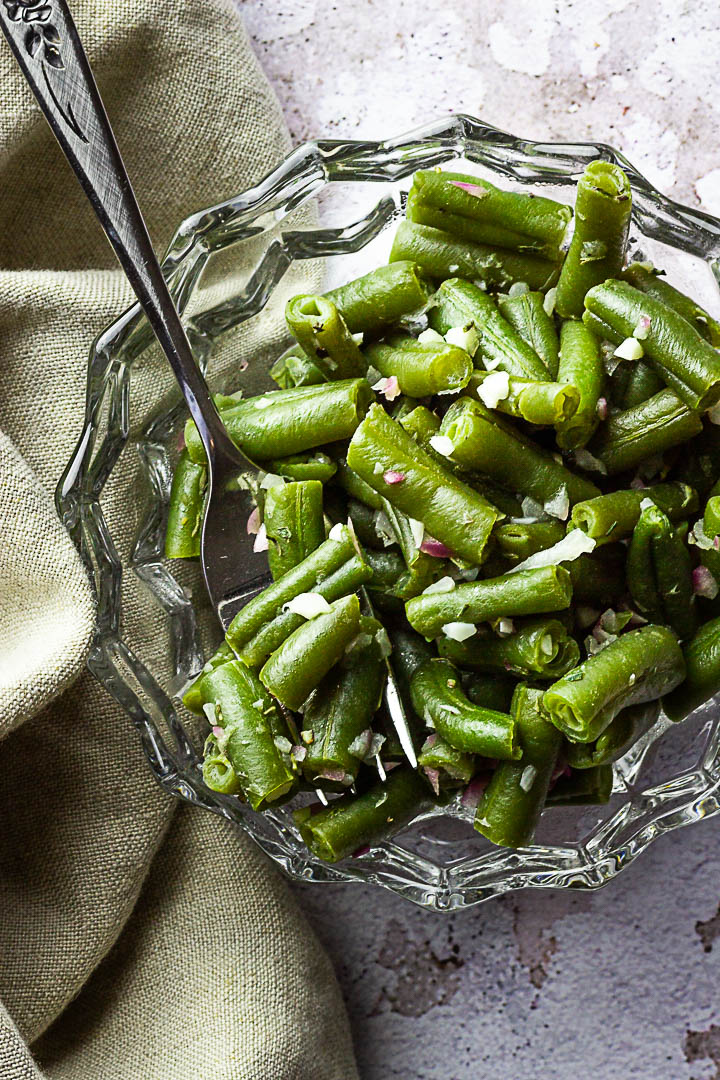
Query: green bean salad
509,443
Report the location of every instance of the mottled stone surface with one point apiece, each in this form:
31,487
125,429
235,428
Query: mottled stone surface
621,984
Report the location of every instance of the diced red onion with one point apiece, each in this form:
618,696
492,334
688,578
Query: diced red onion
261,540
393,477
361,851
433,776
474,791
181,440
253,522
704,583
602,408
217,732
472,189
389,388
434,547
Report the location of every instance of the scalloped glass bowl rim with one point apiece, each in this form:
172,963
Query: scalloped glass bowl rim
688,797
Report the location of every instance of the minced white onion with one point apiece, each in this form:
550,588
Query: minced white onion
527,777
459,631
629,349
559,505
307,604
465,337
337,532
430,337
571,547
442,444
442,585
549,301
418,531
271,480
495,388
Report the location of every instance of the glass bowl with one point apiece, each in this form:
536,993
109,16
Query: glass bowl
231,269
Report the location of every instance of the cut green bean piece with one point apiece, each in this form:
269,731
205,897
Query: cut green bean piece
323,335
346,579
710,557
480,440
353,822
421,368
293,519
619,737
518,542
421,423
304,577
217,769
598,577
540,403
185,509
613,516
461,305
526,592
659,573
702,680
586,787
252,728
597,250
296,368
442,762
438,697
381,297
283,422
299,467
476,209
581,366
672,346
303,660
381,451
541,649
633,383
639,666
628,438
510,808
489,691
193,696
647,280
526,313
357,488
698,463
441,255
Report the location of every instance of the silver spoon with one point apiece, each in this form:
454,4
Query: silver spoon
46,44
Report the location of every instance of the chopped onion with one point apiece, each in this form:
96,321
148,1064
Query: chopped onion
642,329
337,776
389,388
299,753
442,444
629,349
283,744
587,461
308,605
253,522
209,710
532,510
637,483
646,504
392,476
571,547
442,585
713,414
433,776
704,583
518,288
271,480
337,532
465,337
459,631
431,337
474,792
699,537
549,301
434,547
472,189
602,409
218,732
261,540
559,505
505,627
527,777
418,531
360,746
493,389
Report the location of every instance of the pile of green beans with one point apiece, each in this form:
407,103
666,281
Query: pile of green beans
491,463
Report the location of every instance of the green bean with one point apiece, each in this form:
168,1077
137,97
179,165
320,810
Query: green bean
615,741
317,466
634,383
353,822
440,255
699,462
710,557
217,770
659,573
639,666
323,335
702,680
293,518
526,313
380,298
324,561
421,368
482,441
356,487
475,209
303,660
489,691
421,423
613,516
541,649
597,250
438,697
450,510
185,509
251,725
193,696
339,713
526,592
510,808
365,524
647,280
295,368
672,346
539,403
461,304
581,366
518,541
271,635
586,787
598,577
653,426
284,422
438,756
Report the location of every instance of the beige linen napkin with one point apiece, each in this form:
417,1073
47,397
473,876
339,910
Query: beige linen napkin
138,940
